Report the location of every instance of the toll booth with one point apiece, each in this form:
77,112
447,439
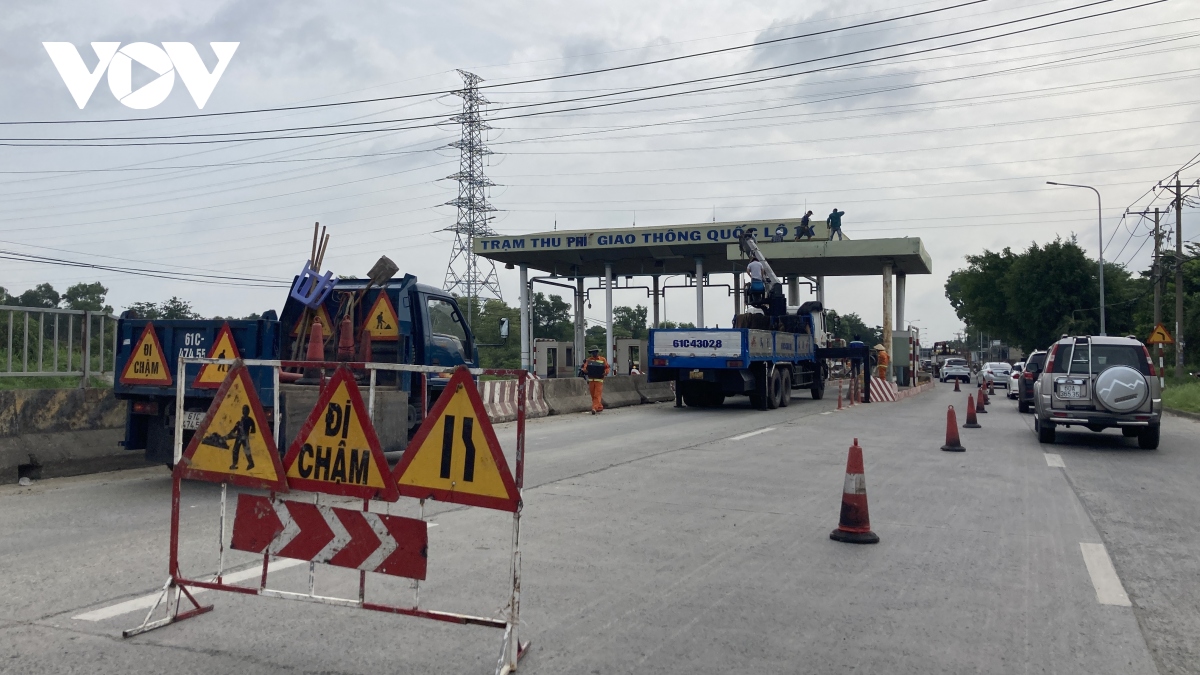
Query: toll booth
552,358
628,351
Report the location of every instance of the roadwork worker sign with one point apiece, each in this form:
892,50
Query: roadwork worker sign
146,364
337,451
326,323
211,375
381,320
455,456
234,442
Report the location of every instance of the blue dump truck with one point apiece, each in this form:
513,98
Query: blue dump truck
408,322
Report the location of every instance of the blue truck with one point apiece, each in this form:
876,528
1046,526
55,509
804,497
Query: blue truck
413,324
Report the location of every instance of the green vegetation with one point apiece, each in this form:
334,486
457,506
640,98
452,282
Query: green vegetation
11,383
1182,395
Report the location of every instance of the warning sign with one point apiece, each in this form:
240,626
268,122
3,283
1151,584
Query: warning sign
213,374
1160,336
455,456
381,320
146,364
326,322
234,442
336,451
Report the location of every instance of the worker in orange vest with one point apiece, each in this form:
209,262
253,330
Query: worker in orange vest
595,369
882,362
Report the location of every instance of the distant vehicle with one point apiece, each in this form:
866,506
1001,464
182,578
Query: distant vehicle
955,369
1033,367
1099,383
995,372
1014,379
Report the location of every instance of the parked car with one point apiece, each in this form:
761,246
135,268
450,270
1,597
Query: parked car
996,372
1099,383
1014,379
955,369
1029,374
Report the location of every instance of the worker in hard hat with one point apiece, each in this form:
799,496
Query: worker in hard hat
882,361
595,368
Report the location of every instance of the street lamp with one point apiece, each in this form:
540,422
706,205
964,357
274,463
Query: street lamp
1100,226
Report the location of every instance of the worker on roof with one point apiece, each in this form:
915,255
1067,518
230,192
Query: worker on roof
755,290
806,228
881,363
595,368
835,223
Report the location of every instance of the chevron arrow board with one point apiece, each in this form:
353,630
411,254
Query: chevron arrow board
372,542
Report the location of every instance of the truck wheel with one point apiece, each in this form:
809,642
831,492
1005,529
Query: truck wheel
714,398
818,386
1148,439
785,387
692,399
774,384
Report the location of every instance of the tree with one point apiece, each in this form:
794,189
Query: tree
551,318
850,327
672,324
87,297
42,295
145,310
168,310
630,322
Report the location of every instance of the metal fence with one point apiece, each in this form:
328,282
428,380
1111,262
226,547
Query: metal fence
57,343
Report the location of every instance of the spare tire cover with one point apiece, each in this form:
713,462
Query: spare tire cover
1121,389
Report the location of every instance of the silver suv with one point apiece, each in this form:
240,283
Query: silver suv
1099,383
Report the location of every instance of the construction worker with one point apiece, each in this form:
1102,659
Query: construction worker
755,290
835,223
881,363
806,228
595,368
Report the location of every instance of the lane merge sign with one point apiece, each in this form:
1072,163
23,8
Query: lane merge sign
455,456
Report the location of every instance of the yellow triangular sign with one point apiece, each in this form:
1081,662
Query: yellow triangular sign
147,365
455,456
381,320
1160,336
326,323
337,451
211,375
234,443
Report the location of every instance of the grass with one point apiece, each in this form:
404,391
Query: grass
1183,395
48,382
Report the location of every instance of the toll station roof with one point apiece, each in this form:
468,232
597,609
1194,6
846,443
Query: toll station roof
673,249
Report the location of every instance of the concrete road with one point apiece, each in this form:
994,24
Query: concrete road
658,539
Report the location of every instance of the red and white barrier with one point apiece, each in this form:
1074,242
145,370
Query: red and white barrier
882,390
500,399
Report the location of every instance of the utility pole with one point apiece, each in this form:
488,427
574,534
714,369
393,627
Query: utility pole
1156,268
1180,343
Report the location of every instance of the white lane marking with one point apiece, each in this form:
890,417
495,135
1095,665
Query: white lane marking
147,601
1054,460
1109,590
827,412
752,433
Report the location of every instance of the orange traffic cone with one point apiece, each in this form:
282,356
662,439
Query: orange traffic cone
956,389
991,389
854,525
839,395
979,402
983,393
316,352
952,442
345,350
972,421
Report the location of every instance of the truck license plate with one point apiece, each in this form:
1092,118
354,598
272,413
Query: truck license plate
192,419
1070,391
696,375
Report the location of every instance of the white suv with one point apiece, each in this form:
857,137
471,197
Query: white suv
1098,383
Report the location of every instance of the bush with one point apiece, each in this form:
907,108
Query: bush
1182,395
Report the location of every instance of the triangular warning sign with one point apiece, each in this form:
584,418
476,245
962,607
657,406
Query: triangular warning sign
326,322
1160,336
211,375
147,363
234,443
381,321
337,451
455,456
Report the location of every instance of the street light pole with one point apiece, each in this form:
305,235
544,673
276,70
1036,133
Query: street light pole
1100,229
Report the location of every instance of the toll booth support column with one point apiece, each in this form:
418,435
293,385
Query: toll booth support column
793,290
655,293
887,313
608,313
580,324
699,292
901,279
525,360
821,290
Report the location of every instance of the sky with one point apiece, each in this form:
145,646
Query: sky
950,136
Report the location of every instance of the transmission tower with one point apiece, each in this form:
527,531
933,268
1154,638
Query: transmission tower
463,274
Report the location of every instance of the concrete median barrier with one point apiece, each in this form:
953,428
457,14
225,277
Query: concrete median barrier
46,433
621,391
566,395
500,399
653,392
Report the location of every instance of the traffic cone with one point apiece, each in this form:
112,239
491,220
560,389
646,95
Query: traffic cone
345,350
979,409
854,525
839,395
316,352
987,400
972,421
365,349
991,389
956,389
952,442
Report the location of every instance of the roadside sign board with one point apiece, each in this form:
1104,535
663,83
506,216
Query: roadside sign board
381,321
455,456
211,375
147,364
326,322
234,442
1160,336
337,451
